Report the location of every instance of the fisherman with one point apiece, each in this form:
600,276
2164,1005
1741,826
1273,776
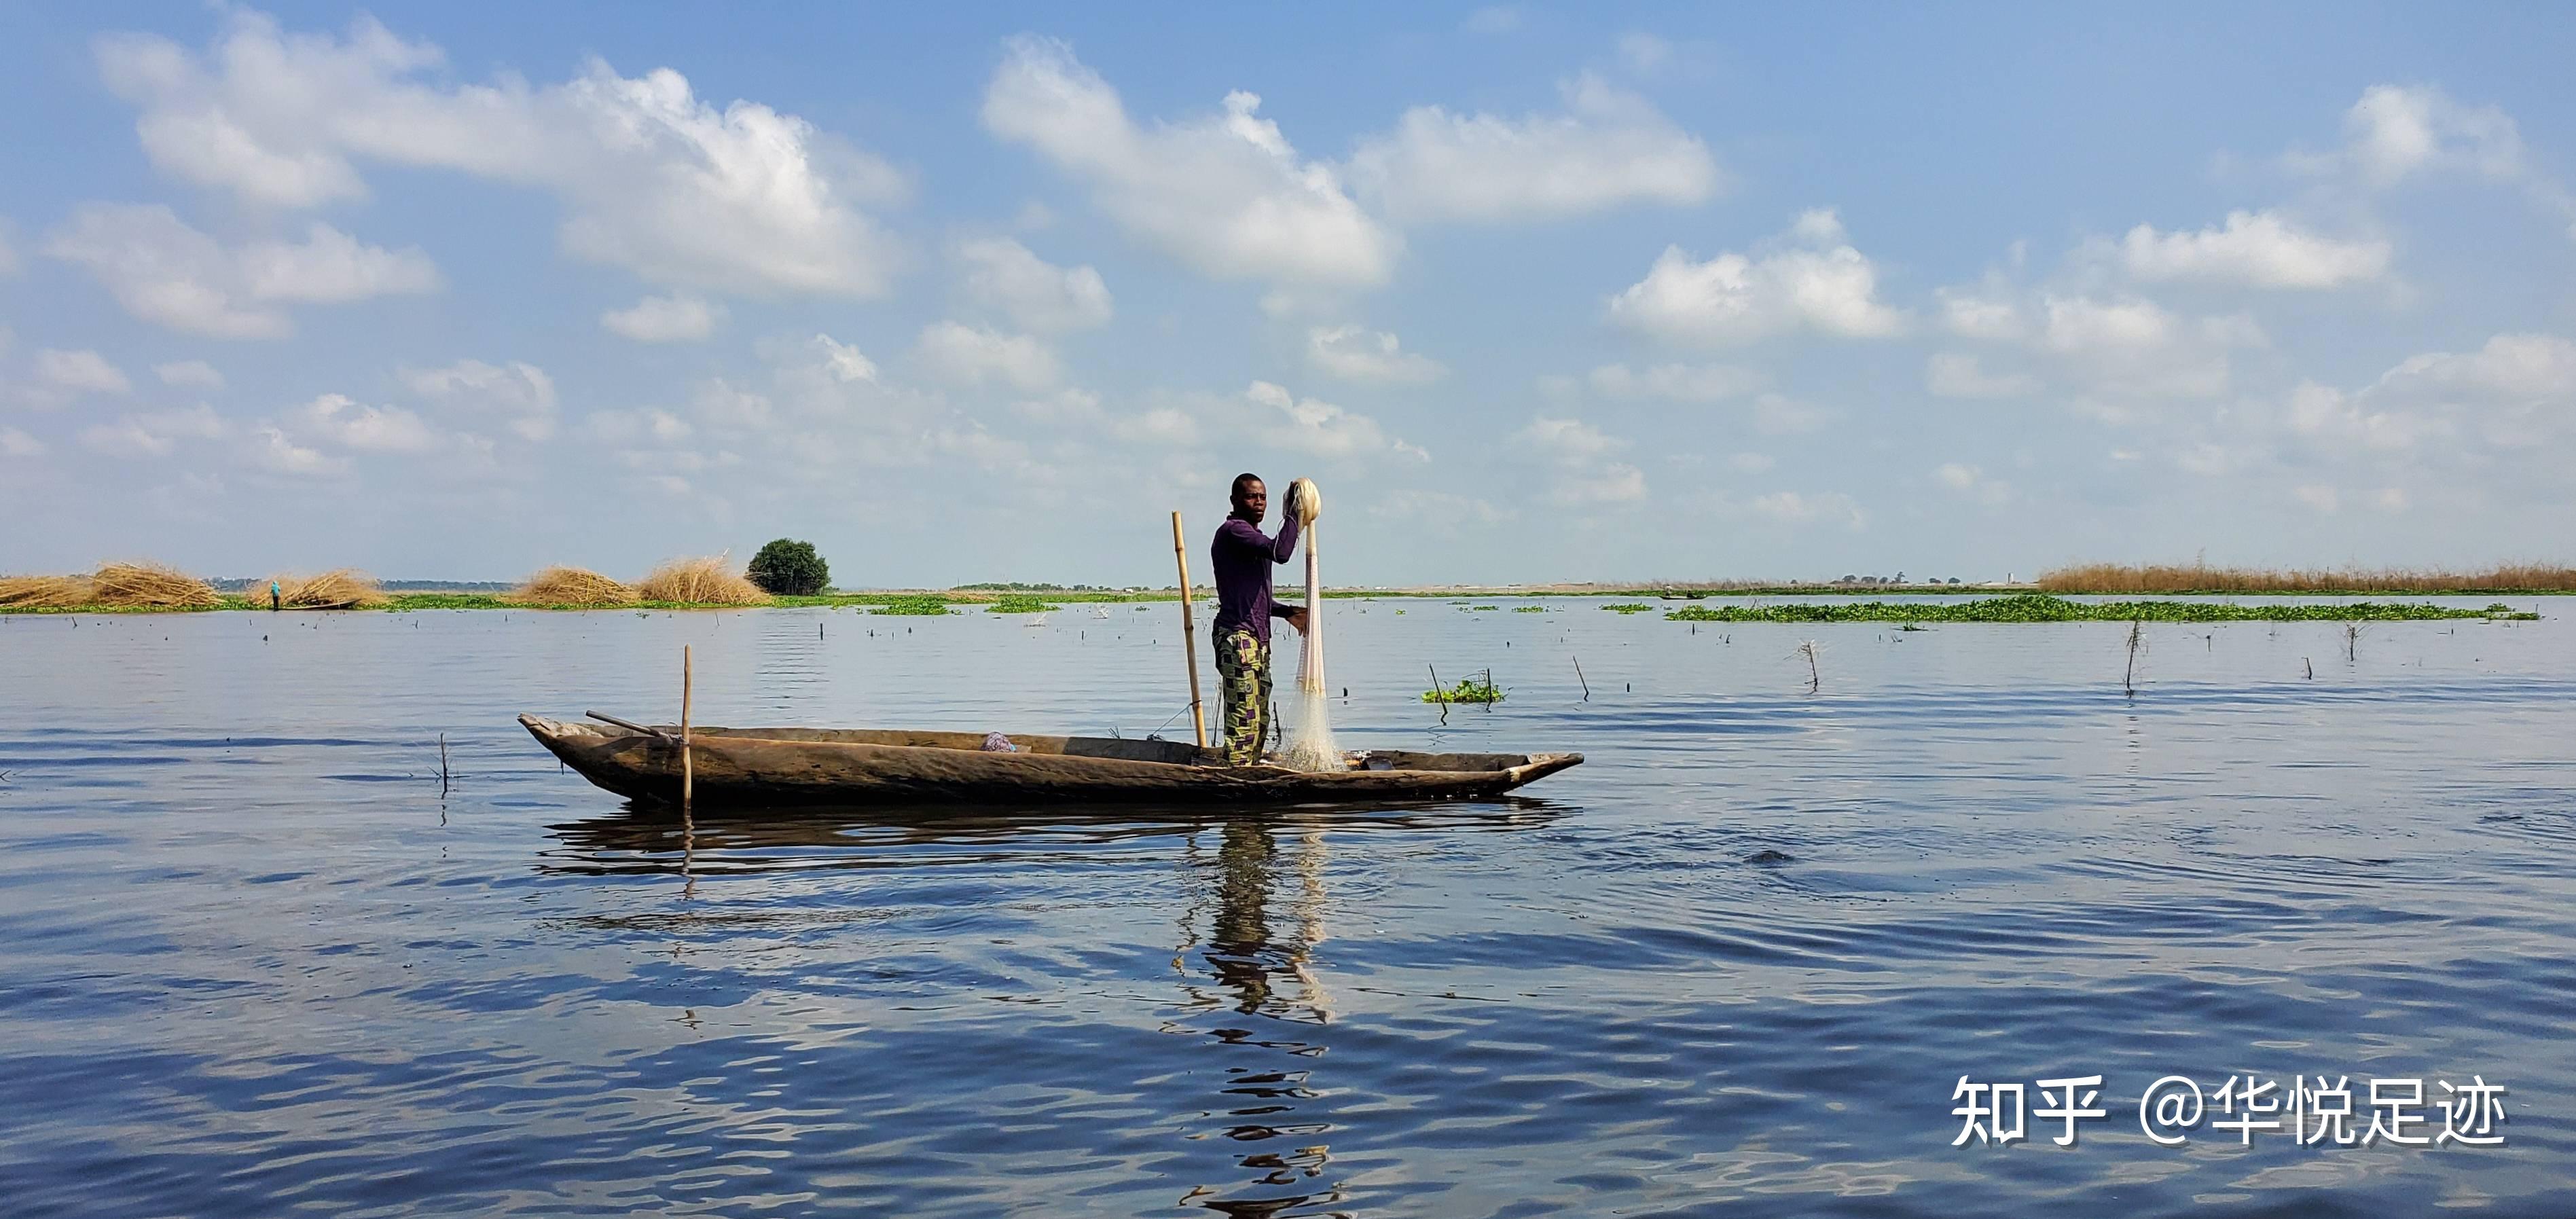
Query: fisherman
274,593
1243,558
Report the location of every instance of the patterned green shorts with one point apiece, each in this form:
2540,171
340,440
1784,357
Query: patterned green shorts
1243,680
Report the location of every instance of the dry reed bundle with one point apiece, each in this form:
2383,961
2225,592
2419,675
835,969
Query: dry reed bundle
151,586
573,586
342,588
710,580
2202,578
44,592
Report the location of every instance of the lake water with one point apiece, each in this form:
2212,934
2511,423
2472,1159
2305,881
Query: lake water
257,962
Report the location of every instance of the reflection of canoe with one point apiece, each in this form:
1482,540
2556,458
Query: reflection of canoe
771,766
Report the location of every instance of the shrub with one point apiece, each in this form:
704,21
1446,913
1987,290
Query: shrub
787,568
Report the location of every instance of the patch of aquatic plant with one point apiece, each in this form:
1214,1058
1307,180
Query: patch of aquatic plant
916,607
1481,608
1471,690
1628,607
2040,607
1529,609
1018,604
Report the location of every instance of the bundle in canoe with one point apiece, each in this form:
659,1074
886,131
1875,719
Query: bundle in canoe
773,766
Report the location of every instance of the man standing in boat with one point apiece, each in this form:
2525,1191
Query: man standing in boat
1242,561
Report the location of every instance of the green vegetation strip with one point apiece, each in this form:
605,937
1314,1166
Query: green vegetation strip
1472,690
1016,604
2041,608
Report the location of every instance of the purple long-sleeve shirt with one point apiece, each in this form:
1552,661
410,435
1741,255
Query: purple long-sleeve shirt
1243,558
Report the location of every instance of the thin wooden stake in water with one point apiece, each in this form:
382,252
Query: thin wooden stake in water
442,764
1189,631
688,764
2129,679
1578,676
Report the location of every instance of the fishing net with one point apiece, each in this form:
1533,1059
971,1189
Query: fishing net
1310,726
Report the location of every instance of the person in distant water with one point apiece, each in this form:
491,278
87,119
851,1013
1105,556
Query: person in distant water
1243,559
274,593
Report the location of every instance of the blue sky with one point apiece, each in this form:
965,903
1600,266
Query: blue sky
1534,293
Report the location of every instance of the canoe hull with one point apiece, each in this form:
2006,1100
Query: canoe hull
752,767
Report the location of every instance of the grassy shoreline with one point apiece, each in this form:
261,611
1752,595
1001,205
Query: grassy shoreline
1980,604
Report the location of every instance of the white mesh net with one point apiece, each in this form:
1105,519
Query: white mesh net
1309,719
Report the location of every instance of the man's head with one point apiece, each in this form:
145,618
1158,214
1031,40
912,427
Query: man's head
1251,499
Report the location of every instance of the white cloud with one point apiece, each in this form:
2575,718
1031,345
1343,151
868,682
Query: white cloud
1609,148
15,443
1035,294
2318,496
1796,508
1809,280
164,271
971,355
1751,463
1981,314
1957,375
1494,19
2137,348
2257,249
1585,472
330,267
1224,193
1442,512
1677,382
155,434
1972,482
680,317
1319,429
2515,367
521,392
80,372
276,454
844,362
342,422
191,374
651,178
2396,131
1356,354
1779,414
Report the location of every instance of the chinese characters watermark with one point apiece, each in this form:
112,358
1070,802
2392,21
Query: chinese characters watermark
2308,1110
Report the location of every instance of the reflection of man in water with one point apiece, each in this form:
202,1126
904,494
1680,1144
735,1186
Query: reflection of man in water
1268,978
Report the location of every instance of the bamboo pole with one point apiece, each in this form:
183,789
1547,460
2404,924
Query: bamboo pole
1189,630
688,764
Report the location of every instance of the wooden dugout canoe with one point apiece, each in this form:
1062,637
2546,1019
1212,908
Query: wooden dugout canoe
773,766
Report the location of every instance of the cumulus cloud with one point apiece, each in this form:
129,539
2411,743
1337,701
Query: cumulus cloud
1319,429
519,392
1608,148
1810,279
190,374
1986,312
2136,347
1676,382
1585,472
1958,375
2256,249
651,178
680,317
341,422
275,453
2397,131
153,434
1972,482
15,443
1357,354
1035,294
1224,193
80,372
166,272
972,355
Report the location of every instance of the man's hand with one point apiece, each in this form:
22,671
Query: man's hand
1297,619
